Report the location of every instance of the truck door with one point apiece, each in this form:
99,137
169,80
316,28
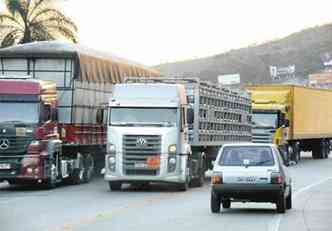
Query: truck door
184,126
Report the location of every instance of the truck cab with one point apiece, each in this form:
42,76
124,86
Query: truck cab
269,126
28,116
148,135
271,116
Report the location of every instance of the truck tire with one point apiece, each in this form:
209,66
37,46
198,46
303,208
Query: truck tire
326,150
52,180
88,168
289,199
77,176
316,150
115,186
199,180
226,204
215,203
281,203
296,153
183,186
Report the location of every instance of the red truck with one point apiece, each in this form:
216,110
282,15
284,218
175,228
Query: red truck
52,126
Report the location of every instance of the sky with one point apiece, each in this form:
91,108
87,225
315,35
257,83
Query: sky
159,31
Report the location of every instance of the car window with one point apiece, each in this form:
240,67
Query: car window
246,155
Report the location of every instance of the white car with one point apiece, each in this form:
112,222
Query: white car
250,173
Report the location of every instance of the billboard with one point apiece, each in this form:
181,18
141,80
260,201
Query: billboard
229,79
282,72
326,59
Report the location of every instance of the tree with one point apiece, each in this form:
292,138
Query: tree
34,20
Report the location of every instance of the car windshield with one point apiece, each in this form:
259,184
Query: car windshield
19,112
143,117
265,119
246,155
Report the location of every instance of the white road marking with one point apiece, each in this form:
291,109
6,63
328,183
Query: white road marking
276,222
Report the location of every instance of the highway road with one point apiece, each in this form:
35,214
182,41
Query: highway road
91,207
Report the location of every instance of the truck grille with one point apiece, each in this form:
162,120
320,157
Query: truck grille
262,138
136,150
17,145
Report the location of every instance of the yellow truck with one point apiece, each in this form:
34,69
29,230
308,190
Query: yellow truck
293,117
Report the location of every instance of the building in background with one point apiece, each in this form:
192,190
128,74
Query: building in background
321,80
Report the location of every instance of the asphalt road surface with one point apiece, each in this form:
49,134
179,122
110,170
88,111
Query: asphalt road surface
160,207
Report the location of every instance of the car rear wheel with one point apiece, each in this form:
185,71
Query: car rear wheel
289,199
215,203
226,204
281,204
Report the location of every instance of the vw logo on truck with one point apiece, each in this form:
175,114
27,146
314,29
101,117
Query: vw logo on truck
4,144
141,142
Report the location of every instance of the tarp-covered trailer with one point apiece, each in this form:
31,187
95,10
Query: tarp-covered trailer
84,80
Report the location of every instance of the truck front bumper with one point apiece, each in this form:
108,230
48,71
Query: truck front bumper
131,179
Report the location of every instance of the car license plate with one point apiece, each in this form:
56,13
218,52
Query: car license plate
4,166
247,179
141,165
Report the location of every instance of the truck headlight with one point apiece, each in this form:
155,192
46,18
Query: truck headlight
172,149
111,163
111,160
171,166
111,149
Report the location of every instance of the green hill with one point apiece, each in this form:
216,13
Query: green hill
302,49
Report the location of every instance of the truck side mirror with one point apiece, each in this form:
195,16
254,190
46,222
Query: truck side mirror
190,116
54,115
47,112
100,116
286,123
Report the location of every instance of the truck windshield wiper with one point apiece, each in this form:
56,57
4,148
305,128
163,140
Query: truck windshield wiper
12,121
123,124
262,162
132,124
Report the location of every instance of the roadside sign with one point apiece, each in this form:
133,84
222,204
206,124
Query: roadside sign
229,79
282,72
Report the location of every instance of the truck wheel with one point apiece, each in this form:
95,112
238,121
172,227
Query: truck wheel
199,180
115,186
326,150
183,186
51,182
289,199
77,176
88,169
226,204
281,203
296,154
215,203
316,151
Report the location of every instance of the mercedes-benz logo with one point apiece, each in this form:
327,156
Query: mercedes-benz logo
141,141
4,144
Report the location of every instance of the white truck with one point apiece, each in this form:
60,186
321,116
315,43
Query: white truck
170,129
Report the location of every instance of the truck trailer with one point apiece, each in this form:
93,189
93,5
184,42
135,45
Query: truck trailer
52,127
295,118
170,129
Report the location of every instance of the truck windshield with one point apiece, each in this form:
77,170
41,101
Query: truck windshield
19,112
143,117
265,120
